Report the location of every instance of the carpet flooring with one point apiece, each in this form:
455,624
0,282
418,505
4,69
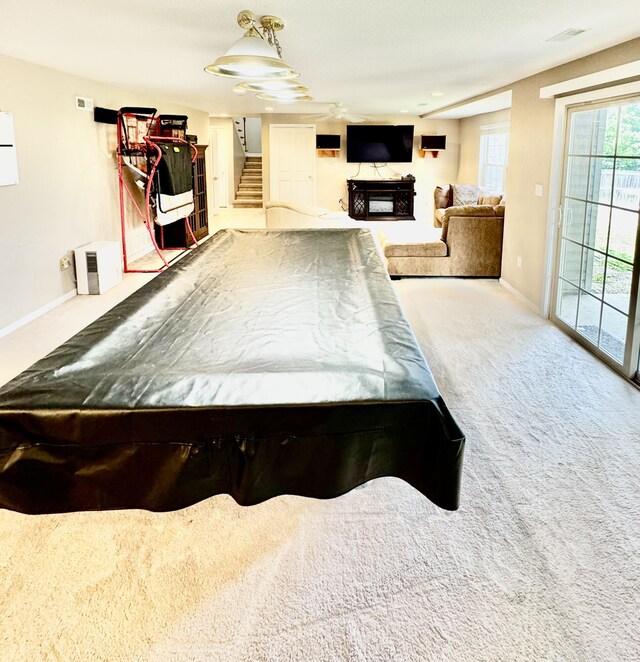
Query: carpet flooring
541,562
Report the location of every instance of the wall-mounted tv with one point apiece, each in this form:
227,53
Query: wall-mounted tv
384,143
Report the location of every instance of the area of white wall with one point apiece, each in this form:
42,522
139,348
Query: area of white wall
253,131
332,172
470,143
68,194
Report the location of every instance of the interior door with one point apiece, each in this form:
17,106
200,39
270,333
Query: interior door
598,256
292,163
219,168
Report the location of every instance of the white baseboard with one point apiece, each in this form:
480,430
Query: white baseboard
14,326
521,297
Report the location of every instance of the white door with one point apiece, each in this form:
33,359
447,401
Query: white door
292,163
219,167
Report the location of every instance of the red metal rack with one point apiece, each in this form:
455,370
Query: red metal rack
139,138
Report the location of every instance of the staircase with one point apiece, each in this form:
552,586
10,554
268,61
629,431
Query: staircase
249,193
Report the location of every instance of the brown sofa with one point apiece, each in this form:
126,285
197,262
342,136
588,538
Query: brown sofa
470,244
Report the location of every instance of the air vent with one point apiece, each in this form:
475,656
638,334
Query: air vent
84,103
568,34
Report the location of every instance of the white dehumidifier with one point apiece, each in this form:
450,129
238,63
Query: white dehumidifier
98,266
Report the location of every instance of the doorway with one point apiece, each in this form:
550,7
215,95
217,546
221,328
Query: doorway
292,163
598,254
219,158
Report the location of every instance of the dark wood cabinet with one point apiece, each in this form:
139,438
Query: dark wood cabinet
381,199
175,235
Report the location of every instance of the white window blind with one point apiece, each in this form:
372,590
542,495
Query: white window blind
494,147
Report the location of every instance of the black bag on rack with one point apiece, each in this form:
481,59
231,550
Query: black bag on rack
175,170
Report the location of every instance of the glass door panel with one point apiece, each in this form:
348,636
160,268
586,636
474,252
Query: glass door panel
597,269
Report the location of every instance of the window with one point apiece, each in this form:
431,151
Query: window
494,146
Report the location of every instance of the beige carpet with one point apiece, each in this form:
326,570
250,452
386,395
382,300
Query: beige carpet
540,563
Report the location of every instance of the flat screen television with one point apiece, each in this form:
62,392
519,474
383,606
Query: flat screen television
369,143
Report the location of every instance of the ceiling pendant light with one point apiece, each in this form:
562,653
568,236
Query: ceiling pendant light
254,56
268,85
298,93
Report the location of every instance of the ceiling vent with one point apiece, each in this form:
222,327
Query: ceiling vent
568,34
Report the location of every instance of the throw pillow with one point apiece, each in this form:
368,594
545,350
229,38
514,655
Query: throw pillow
463,195
492,200
442,197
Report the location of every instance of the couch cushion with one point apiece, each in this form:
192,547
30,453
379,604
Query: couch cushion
429,249
469,210
490,199
414,241
464,194
439,217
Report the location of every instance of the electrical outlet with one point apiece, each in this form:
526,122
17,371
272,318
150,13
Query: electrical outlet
538,190
519,262
65,263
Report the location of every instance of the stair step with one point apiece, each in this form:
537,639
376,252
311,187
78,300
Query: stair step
249,193
248,204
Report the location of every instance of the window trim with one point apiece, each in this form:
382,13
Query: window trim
500,128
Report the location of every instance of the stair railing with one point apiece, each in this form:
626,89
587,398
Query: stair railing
241,129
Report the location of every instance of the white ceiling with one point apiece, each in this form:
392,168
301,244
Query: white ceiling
374,56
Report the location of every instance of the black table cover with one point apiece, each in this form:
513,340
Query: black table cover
264,363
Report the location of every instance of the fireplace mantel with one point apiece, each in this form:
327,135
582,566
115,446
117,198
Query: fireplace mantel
381,199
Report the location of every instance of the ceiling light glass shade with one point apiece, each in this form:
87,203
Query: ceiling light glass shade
287,93
269,85
251,58
296,94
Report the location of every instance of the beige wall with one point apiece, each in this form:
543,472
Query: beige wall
332,173
530,151
253,134
470,143
67,195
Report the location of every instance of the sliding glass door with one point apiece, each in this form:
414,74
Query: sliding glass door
598,265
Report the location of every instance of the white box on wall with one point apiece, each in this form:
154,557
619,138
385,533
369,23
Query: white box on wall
8,154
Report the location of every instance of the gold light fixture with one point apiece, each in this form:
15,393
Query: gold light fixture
298,93
276,85
255,56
